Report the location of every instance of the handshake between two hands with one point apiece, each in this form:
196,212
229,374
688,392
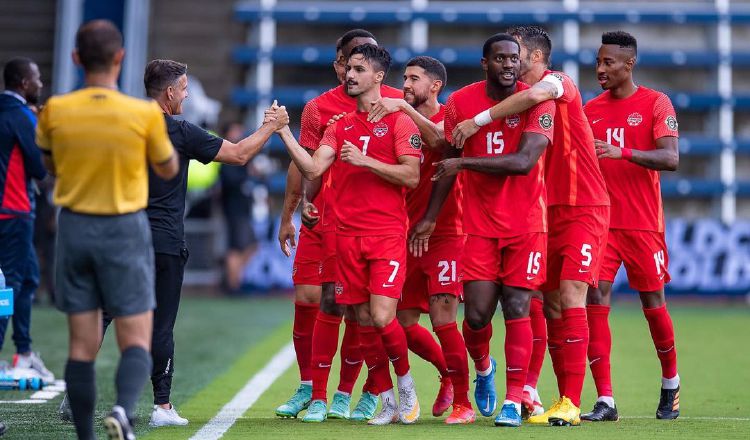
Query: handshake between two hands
277,116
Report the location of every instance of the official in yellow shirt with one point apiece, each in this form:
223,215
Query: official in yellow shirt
99,143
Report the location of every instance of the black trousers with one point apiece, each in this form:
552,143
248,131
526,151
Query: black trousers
170,270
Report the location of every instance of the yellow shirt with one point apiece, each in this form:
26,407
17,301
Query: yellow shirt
101,142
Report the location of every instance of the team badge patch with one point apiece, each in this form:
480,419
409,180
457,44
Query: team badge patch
339,288
671,122
635,119
545,121
415,141
512,121
380,130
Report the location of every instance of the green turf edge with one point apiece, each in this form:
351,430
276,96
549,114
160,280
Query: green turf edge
206,403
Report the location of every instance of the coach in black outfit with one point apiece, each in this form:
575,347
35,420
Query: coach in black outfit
166,82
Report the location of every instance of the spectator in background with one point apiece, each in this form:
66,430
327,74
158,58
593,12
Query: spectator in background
20,164
237,205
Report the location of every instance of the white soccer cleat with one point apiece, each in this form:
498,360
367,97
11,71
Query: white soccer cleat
166,417
408,405
388,415
32,365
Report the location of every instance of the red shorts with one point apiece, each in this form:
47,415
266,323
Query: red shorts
329,270
577,239
644,254
307,268
518,261
437,271
370,265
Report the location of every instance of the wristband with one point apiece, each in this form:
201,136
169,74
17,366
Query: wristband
483,118
627,154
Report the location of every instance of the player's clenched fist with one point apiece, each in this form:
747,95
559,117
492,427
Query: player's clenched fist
463,131
310,215
607,151
351,154
447,168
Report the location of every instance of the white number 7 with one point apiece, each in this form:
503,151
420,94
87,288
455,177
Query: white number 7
365,141
395,265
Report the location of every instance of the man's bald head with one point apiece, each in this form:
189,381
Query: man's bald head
98,45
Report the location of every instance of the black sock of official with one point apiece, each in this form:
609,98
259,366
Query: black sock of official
81,386
132,373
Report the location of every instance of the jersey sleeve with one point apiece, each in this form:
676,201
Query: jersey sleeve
42,129
541,119
665,118
311,129
329,138
406,137
566,88
451,119
201,145
158,146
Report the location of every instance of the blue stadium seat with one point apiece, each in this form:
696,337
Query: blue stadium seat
695,188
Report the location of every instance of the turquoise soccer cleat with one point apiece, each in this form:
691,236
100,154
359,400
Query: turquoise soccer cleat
340,406
299,401
365,409
316,412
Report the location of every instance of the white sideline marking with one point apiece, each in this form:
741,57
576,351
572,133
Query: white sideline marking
735,419
43,396
247,396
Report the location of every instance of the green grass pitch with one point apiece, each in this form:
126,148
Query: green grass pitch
222,343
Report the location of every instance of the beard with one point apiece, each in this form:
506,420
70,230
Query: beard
418,100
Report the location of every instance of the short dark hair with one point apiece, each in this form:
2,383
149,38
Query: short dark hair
97,42
533,38
352,34
433,67
15,71
161,74
622,39
338,44
373,54
494,39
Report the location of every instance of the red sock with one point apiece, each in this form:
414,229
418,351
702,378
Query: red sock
351,357
662,332
325,342
302,333
478,345
518,346
600,346
539,330
575,347
423,344
555,340
454,351
394,340
376,358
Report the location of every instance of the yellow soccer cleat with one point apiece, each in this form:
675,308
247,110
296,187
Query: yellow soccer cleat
566,414
543,419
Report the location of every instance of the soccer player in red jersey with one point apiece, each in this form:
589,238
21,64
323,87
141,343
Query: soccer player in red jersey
375,164
433,267
316,331
636,132
505,218
578,218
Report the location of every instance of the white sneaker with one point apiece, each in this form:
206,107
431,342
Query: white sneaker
166,417
388,415
408,405
34,363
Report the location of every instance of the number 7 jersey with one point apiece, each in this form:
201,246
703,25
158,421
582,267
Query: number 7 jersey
634,122
499,206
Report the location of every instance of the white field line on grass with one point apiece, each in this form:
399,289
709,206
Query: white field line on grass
247,396
729,419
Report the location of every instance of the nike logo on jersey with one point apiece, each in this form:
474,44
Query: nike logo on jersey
584,271
388,285
530,277
443,283
348,128
596,120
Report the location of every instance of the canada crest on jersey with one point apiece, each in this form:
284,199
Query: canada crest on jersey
671,122
380,130
512,121
635,119
545,121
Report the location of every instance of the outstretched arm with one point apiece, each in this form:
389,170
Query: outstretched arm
665,157
432,134
313,166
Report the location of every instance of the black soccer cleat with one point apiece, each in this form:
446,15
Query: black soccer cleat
669,404
601,413
118,426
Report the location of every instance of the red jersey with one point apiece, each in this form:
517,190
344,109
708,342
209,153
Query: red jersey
500,206
448,221
367,204
572,171
315,117
634,122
